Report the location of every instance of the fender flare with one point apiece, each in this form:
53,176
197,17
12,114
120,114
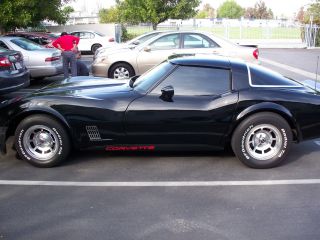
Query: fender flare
270,107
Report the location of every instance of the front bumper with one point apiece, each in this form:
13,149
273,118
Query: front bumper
100,69
3,138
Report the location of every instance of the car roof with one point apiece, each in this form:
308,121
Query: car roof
204,60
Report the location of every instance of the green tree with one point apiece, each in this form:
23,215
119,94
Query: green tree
230,9
110,15
156,11
259,11
313,12
29,13
206,12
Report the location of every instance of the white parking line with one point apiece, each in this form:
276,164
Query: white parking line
161,183
301,72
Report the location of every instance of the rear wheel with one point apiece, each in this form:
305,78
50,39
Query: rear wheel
95,47
262,140
121,71
42,141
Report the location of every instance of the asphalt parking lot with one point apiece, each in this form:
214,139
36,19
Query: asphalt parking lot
170,195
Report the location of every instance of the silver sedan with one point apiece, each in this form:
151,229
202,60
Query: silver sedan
41,62
135,60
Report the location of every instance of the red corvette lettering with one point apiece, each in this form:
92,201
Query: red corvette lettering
131,148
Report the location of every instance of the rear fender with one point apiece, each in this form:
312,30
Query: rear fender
270,107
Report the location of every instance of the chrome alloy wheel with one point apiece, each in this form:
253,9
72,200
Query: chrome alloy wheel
121,73
263,142
41,142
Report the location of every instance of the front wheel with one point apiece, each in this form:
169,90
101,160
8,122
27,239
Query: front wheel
42,141
262,140
121,71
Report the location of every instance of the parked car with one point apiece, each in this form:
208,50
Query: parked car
196,102
127,62
91,40
41,38
41,62
132,43
13,73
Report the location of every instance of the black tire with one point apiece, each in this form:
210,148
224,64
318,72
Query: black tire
53,134
262,140
95,47
38,79
127,69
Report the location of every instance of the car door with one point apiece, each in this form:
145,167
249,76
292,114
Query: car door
158,51
199,43
86,39
199,112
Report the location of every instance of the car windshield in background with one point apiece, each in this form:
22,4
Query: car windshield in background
100,34
149,78
26,44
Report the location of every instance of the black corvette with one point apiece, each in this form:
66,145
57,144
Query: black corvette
193,102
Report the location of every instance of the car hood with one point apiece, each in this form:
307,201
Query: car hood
116,50
85,87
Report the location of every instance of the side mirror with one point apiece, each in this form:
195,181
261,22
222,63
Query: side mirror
147,49
133,79
137,42
167,93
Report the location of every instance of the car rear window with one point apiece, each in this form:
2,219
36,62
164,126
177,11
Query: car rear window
261,76
3,50
26,44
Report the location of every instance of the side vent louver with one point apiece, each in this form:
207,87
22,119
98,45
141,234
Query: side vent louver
93,133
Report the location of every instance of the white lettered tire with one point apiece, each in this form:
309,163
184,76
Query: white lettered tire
262,140
42,141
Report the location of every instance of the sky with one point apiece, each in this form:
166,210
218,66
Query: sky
279,7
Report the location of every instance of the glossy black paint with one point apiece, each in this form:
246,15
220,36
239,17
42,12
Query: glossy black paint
126,116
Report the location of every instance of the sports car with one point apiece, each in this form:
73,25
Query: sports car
195,102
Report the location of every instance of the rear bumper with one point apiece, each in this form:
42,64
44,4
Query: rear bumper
3,137
46,71
10,83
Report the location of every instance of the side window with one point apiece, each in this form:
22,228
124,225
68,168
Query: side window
171,41
197,41
77,34
199,81
3,45
91,35
85,35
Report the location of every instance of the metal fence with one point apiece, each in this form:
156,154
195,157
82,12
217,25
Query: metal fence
311,35
229,32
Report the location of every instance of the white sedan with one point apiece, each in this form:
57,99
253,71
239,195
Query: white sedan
91,40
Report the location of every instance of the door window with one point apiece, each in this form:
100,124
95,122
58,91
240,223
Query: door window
86,35
171,41
197,81
197,41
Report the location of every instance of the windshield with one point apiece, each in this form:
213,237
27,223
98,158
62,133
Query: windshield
143,38
26,44
99,34
148,79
